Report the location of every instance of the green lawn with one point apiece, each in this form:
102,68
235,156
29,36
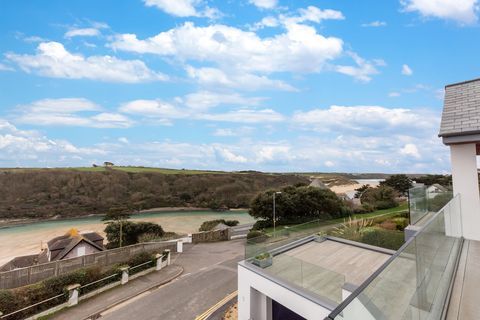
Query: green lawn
378,213
131,169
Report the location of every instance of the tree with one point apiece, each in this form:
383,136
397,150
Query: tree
382,197
298,204
132,232
117,215
361,190
429,179
399,182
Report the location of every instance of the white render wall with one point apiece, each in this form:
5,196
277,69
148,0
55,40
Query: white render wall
255,294
465,183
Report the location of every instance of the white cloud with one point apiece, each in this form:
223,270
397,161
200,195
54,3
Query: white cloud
375,24
53,60
406,70
184,8
366,119
229,156
82,32
123,140
303,15
410,150
329,164
300,49
69,112
364,69
245,116
264,4
5,68
233,132
462,11
204,100
154,108
394,94
214,78
21,147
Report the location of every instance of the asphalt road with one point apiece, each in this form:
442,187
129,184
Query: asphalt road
210,274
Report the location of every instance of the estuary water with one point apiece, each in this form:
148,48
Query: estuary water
29,238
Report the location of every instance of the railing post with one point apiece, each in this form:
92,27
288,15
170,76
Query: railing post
180,246
73,292
168,256
159,258
56,268
124,275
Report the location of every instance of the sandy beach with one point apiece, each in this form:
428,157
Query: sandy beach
28,239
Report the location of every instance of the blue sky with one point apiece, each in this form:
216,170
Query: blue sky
273,85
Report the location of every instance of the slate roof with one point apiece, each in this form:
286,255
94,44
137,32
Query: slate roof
62,245
461,111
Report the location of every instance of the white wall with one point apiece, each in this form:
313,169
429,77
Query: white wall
254,292
465,183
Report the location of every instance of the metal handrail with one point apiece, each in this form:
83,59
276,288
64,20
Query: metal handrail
33,305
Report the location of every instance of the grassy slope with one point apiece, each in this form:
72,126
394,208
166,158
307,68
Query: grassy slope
375,214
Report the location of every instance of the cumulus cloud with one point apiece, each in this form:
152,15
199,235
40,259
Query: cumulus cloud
300,49
406,70
53,60
214,78
69,112
184,8
264,4
410,150
229,156
82,32
203,100
363,70
302,15
27,148
461,11
366,119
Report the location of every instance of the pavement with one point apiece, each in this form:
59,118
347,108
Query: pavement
210,274
90,308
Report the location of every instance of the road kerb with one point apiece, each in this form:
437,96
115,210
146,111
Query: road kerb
217,306
176,275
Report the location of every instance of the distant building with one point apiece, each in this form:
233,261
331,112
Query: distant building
434,190
71,245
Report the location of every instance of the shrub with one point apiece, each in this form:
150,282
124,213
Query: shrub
256,236
388,225
18,298
352,229
209,225
383,238
401,223
262,224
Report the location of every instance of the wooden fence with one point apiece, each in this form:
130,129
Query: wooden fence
24,276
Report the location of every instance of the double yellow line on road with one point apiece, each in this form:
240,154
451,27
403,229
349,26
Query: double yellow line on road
217,306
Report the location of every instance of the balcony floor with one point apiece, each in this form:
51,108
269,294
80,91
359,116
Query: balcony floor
464,303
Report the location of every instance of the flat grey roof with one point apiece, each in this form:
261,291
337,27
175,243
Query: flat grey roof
461,111
355,263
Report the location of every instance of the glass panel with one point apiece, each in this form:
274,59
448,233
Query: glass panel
424,201
282,237
414,285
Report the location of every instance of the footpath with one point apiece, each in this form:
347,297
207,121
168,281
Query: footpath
93,307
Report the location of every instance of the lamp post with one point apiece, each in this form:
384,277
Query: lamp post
274,216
